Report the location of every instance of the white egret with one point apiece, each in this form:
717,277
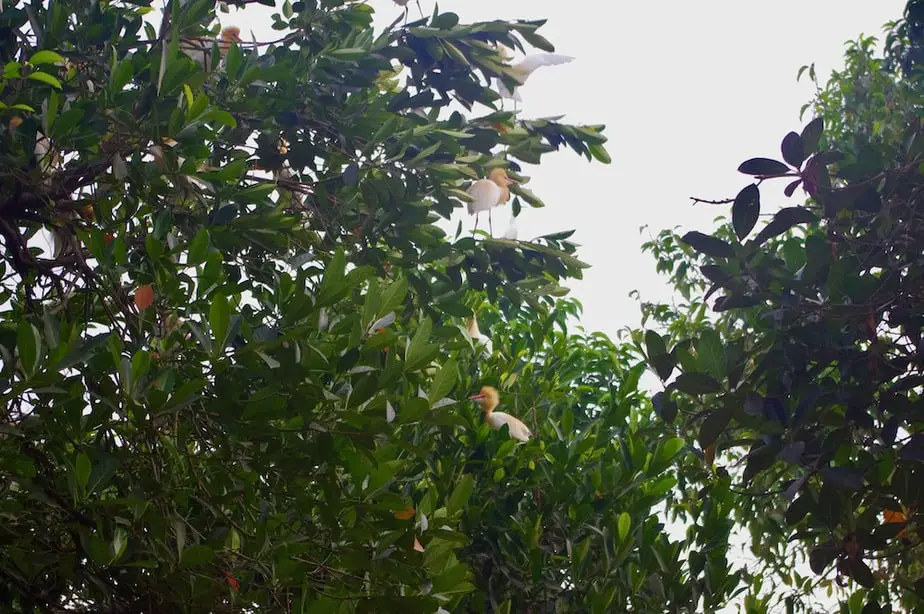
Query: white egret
489,193
489,399
199,48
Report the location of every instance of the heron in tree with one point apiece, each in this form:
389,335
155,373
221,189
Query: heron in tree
489,193
489,399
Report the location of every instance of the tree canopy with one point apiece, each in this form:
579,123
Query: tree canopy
805,384
238,341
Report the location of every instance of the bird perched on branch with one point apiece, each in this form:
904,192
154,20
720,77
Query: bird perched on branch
404,3
199,48
489,399
489,193
527,66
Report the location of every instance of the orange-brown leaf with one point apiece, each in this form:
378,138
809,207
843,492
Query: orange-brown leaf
892,517
232,582
417,545
709,454
406,514
144,297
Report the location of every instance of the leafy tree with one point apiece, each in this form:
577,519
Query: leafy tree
573,525
233,334
805,378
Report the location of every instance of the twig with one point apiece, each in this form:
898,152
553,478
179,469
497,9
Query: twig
724,201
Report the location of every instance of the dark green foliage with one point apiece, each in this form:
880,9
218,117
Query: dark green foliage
814,403
238,382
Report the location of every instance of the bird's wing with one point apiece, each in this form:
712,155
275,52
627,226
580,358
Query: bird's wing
518,430
485,194
196,49
530,63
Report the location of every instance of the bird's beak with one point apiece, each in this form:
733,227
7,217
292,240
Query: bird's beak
476,397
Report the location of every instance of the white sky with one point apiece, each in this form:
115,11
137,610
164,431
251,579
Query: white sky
687,90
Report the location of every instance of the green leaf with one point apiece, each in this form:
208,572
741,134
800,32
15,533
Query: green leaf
66,122
393,295
792,149
784,219
713,426
763,167
349,53
861,573
537,41
333,283
82,470
811,135
696,383
711,353
665,407
197,556
102,472
351,175
461,494
822,556
599,153
623,525
710,246
567,421
44,77
746,210
443,381
28,346
198,249
419,342
219,319
121,75
669,448
843,477
141,364
46,56
655,345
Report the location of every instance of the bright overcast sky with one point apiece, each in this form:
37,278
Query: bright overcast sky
687,90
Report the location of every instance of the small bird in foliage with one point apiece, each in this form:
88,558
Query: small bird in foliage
489,193
199,48
489,399
527,66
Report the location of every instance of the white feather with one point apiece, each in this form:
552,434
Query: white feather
497,419
485,195
527,66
